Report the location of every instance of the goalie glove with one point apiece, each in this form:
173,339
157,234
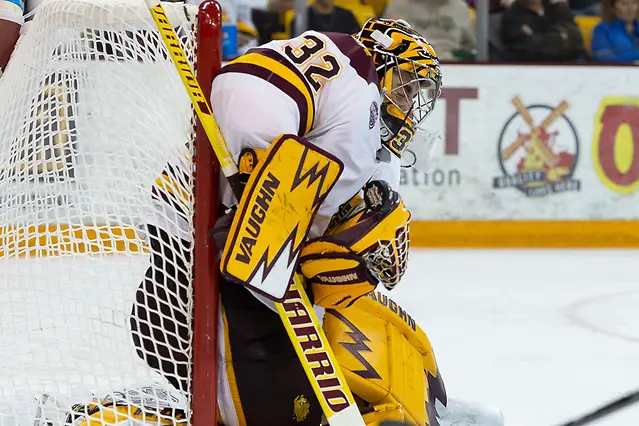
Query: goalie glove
367,245
248,161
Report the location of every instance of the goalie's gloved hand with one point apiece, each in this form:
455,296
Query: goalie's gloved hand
337,275
367,246
248,161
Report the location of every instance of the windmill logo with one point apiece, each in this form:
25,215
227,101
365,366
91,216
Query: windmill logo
538,151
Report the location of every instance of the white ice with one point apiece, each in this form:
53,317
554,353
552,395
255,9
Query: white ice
544,335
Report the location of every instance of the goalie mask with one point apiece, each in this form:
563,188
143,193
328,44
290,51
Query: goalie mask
410,83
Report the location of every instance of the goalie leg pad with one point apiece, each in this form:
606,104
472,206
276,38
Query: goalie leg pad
274,215
387,361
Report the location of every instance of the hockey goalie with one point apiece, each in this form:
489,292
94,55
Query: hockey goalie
346,109
330,118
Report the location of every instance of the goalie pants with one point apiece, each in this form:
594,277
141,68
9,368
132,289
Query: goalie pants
263,384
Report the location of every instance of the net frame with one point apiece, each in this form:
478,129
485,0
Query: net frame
206,209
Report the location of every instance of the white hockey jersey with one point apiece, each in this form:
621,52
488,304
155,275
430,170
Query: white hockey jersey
322,86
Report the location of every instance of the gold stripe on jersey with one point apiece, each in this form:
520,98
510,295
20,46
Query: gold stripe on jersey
269,65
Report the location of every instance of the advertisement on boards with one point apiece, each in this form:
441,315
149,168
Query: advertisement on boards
615,144
540,159
531,143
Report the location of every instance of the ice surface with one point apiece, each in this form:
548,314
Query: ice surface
544,335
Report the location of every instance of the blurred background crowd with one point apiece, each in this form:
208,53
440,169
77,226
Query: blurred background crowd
541,31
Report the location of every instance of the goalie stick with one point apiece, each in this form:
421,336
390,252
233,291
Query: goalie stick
325,376
605,410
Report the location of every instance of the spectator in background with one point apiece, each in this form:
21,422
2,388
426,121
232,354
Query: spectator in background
540,31
379,6
267,17
495,6
616,38
324,16
447,24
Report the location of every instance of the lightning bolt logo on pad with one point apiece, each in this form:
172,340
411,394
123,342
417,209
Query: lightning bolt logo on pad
357,347
275,214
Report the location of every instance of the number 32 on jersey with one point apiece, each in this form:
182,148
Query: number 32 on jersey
314,61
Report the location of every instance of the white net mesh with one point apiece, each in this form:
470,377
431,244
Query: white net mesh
92,112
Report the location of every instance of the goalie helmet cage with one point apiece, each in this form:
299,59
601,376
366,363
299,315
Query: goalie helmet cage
108,189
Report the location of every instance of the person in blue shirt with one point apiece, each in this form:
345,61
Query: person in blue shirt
616,38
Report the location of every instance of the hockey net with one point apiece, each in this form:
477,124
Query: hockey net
106,273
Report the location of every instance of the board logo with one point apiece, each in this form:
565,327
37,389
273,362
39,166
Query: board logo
538,151
615,145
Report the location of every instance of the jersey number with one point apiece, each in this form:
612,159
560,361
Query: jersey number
310,49
403,138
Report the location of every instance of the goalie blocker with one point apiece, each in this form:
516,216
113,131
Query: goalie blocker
274,215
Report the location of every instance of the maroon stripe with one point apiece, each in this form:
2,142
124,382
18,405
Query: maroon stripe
270,53
360,60
277,81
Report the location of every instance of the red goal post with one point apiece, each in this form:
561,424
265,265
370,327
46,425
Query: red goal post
206,192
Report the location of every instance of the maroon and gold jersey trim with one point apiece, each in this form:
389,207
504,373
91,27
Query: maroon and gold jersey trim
274,68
